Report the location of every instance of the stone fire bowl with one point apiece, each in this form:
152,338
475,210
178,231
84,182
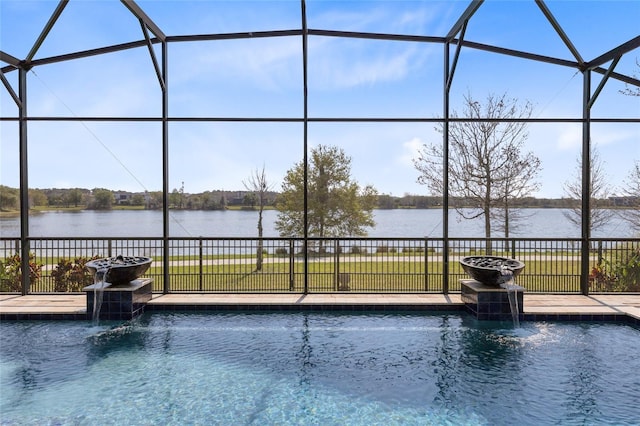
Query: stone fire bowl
488,269
120,269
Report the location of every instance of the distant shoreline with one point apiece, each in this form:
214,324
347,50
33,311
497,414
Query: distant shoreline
15,213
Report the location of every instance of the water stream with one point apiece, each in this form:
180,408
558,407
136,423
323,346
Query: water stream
512,292
99,285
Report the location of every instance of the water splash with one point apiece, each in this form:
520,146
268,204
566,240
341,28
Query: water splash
512,291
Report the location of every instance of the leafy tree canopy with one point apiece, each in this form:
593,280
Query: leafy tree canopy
336,205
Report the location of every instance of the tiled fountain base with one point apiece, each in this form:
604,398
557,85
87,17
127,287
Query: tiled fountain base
489,303
121,302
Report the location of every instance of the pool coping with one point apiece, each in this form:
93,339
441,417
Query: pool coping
537,307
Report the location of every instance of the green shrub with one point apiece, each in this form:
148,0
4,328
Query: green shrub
619,274
11,273
71,276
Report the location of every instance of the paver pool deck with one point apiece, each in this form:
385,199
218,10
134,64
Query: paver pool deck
536,306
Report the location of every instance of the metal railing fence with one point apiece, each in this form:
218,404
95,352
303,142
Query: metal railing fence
365,265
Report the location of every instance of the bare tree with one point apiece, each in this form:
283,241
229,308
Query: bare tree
631,190
257,184
631,187
632,91
518,183
599,191
487,165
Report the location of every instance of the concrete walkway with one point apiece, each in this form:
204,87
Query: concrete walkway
536,306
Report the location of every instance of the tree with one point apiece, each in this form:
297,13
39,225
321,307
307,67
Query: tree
487,165
73,196
631,190
54,198
176,198
137,200
8,198
629,91
102,199
250,199
336,205
37,197
599,191
515,186
154,200
258,185
386,202
632,184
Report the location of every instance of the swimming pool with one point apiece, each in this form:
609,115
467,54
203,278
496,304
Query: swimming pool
317,368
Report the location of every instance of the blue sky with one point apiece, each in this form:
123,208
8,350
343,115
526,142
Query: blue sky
263,78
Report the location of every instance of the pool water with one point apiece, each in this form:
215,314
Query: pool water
317,368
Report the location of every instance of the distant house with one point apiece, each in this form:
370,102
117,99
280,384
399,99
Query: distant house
122,198
625,201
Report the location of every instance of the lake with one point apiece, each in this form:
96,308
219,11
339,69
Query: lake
540,223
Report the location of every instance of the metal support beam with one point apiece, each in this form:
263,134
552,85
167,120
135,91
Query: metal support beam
24,183
463,19
81,54
165,174
455,57
11,60
556,26
139,13
603,82
445,174
586,184
153,56
45,32
634,43
13,94
374,36
620,77
305,125
519,54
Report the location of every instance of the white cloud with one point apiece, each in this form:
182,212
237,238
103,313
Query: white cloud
343,64
410,151
268,64
97,86
569,138
607,136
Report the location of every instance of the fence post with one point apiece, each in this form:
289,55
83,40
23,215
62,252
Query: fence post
445,266
291,266
599,252
426,264
336,265
200,263
109,248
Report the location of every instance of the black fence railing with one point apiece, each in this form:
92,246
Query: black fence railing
365,265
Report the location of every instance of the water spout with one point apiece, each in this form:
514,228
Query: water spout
99,285
512,291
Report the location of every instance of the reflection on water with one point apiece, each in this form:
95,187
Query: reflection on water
315,368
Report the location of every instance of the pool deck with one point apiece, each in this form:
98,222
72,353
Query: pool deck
609,307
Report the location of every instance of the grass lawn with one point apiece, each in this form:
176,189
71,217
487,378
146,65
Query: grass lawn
363,276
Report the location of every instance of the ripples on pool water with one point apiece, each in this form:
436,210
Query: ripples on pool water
324,369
